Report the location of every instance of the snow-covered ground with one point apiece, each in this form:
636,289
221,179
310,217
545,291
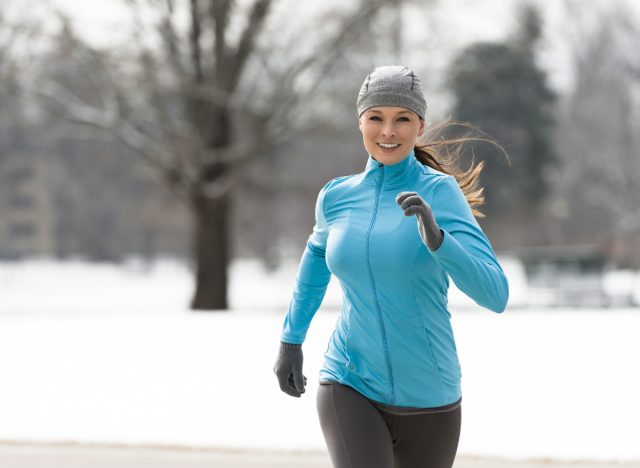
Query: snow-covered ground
99,353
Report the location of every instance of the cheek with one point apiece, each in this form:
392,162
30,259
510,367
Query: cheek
411,133
368,131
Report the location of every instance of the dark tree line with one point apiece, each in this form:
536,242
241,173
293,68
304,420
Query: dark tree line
500,89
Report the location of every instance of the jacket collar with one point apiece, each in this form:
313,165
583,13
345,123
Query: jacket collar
393,175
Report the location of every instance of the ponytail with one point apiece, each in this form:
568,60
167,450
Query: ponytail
442,154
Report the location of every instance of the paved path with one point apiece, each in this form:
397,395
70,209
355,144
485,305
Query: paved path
21,455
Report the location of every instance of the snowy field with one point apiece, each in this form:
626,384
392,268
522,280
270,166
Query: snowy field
105,354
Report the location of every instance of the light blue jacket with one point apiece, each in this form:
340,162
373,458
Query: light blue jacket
393,340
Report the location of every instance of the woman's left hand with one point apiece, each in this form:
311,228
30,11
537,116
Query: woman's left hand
413,204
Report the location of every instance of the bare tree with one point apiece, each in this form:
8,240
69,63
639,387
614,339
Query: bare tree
599,133
12,38
8,80
200,106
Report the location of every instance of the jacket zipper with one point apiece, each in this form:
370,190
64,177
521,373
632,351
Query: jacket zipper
375,295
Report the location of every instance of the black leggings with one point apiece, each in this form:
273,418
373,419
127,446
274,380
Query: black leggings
359,435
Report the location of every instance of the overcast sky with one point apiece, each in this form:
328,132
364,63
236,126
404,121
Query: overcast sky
458,22
105,20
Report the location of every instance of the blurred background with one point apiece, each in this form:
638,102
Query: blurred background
159,164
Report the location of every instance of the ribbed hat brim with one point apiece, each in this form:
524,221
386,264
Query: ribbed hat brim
391,98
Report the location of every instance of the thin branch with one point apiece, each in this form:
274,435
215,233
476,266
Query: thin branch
170,39
246,44
239,157
283,99
80,113
196,52
219,11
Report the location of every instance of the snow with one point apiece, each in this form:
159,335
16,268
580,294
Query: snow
107,354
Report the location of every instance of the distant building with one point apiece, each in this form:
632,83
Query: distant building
26,212
49,210
565,275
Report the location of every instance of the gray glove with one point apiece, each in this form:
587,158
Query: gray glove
288,369
414,204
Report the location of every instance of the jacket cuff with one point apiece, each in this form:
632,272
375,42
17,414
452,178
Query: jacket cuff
449,248
289,346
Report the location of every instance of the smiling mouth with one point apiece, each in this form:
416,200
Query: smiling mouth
388,145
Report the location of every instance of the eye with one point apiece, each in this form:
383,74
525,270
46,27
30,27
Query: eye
404,119
375,117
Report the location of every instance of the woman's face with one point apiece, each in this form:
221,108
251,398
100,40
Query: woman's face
390,133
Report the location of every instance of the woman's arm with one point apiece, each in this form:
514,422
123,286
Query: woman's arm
311,281
460,246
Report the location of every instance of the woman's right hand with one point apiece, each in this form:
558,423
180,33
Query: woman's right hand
288,369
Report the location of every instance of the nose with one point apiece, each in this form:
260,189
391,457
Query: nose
388,129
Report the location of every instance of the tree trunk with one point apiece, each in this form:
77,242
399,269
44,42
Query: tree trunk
211,252
211,215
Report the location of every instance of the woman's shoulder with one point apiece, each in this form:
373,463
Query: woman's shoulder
342,183
433,175
429,178
337,181
432,181
337,187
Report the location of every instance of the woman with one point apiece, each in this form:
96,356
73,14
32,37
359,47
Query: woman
390,391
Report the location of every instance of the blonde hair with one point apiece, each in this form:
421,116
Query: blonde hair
442,154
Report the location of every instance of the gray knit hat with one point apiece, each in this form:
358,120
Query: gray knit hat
394,86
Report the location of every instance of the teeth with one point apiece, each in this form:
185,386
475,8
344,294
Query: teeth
389,145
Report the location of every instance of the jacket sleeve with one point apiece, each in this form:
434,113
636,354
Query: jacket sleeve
465,252
311,281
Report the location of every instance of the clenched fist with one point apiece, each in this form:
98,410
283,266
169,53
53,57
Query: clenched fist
288,369
413,204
